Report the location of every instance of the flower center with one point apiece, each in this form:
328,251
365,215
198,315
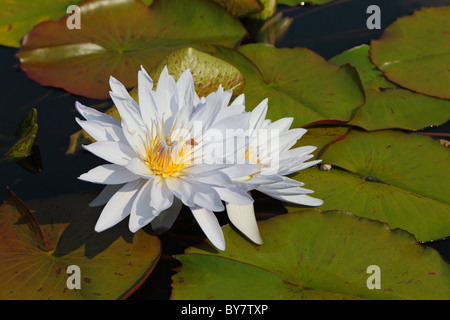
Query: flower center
167,158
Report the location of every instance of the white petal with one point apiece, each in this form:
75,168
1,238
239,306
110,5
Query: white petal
239,100
282,124
186,90
258,114
160,196
118,207
243,218
273,190
164,221
141,212
234,195
210,226
109,174
165,91
301,199
147,102
240,170
111,151
139,168
181,190
102,131
129,112
106,194
92,114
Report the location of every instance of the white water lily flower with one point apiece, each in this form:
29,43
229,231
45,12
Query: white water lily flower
271,151
156,155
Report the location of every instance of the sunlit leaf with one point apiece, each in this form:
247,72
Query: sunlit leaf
37,249
298,82
207,71
20,16
388,105
117,37
414,51
314,255
398,178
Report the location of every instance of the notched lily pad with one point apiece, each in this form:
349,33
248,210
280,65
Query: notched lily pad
387,104
391,176
117,37
414,51
298,82
314,255
38,248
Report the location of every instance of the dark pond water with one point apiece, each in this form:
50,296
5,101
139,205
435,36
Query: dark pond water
328,30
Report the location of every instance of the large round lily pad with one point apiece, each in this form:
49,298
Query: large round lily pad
395,177
298,82
38,248
388,105
414,51
117,37
314,255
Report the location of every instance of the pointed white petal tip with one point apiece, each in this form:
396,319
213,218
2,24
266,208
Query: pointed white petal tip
243,218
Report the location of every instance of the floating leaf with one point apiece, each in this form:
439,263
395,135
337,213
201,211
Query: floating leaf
321,137
208,71
38,248
398,178
298,82
314,255
414,52
388,105
117,37
20,16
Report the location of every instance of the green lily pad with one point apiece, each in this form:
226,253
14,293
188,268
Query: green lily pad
20,16
398,178
207,71
298,82
314,255
388,105
117,37
38,248
321,137
414,52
